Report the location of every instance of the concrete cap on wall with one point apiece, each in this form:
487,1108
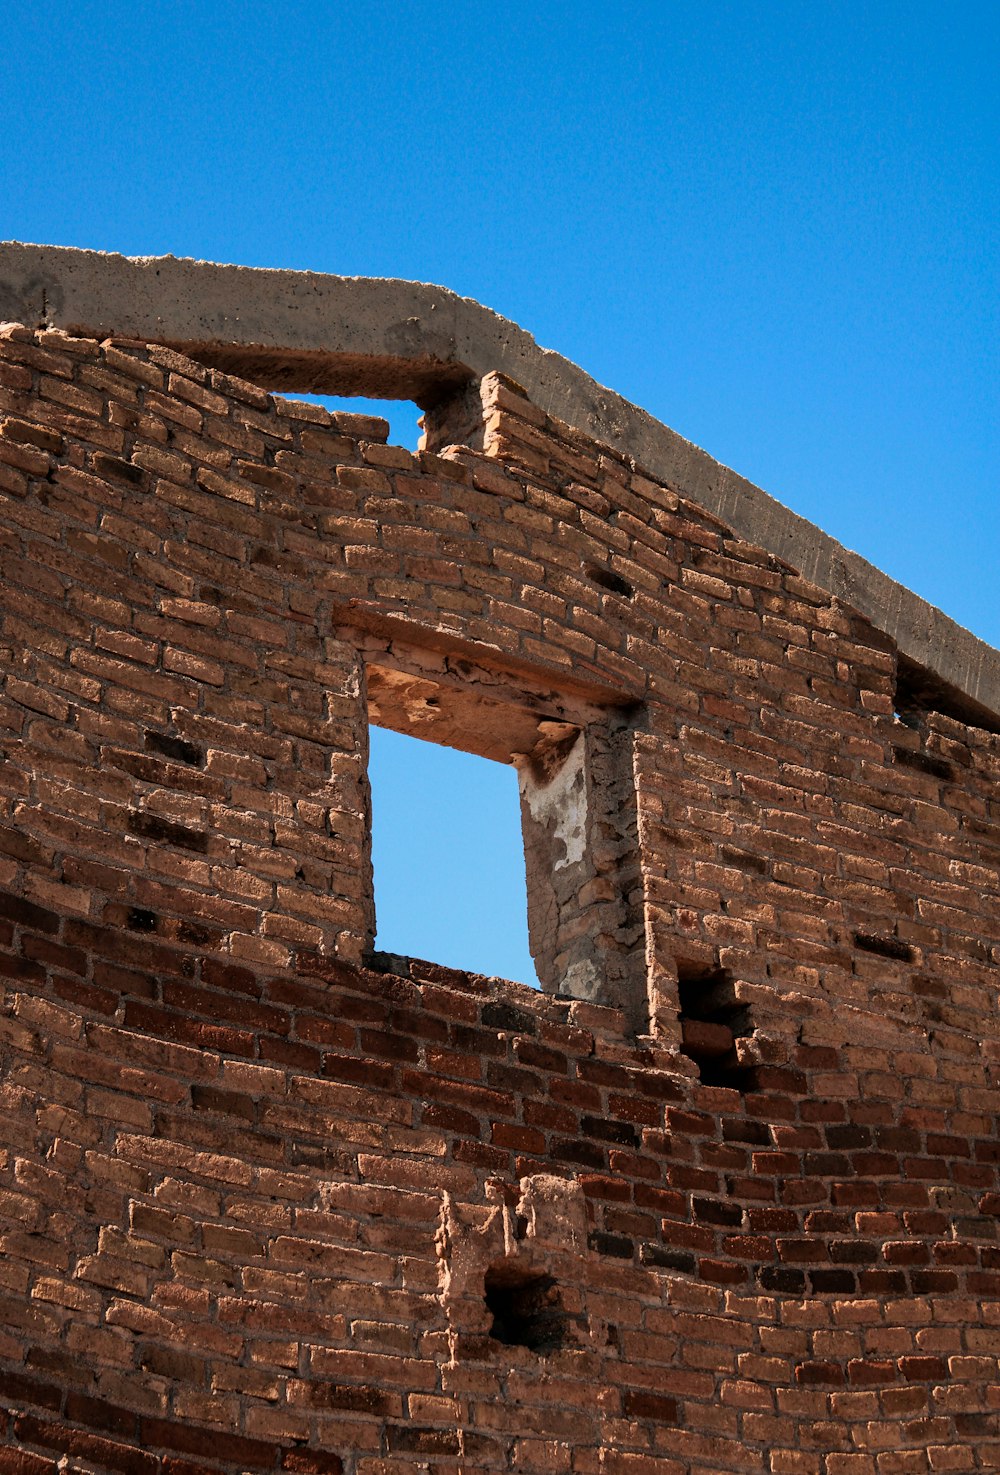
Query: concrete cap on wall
312,332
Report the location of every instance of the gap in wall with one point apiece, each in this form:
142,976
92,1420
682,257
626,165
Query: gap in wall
712,1020
919,692
448,857
402,414
526,1310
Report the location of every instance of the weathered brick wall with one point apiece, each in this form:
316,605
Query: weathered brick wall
265,1206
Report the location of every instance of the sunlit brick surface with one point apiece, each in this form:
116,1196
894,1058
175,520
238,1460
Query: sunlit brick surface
261,1198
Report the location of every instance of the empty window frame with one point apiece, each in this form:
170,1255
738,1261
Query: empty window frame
577,798
447,857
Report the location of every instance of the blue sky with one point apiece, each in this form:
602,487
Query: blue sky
775,226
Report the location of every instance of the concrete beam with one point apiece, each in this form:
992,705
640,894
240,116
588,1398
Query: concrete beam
305,331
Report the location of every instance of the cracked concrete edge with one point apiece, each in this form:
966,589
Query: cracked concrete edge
310,331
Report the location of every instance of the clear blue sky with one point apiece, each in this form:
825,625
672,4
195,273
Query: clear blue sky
772,225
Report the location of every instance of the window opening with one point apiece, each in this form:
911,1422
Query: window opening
569,762
404,417
448,858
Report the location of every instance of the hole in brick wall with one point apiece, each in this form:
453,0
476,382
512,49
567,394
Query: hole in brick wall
884,947
174,748
140,919
606,578
920,692
526,1310
448,857
923,762
403,415
908,716
712,1020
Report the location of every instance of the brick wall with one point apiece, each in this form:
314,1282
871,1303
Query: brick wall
722,1199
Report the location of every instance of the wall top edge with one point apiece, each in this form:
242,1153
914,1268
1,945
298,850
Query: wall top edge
391,338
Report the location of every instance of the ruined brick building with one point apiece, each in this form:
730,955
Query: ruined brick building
723,1196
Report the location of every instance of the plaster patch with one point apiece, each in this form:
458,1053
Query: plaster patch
560,806
581,981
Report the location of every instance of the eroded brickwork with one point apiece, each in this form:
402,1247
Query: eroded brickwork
723,1199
